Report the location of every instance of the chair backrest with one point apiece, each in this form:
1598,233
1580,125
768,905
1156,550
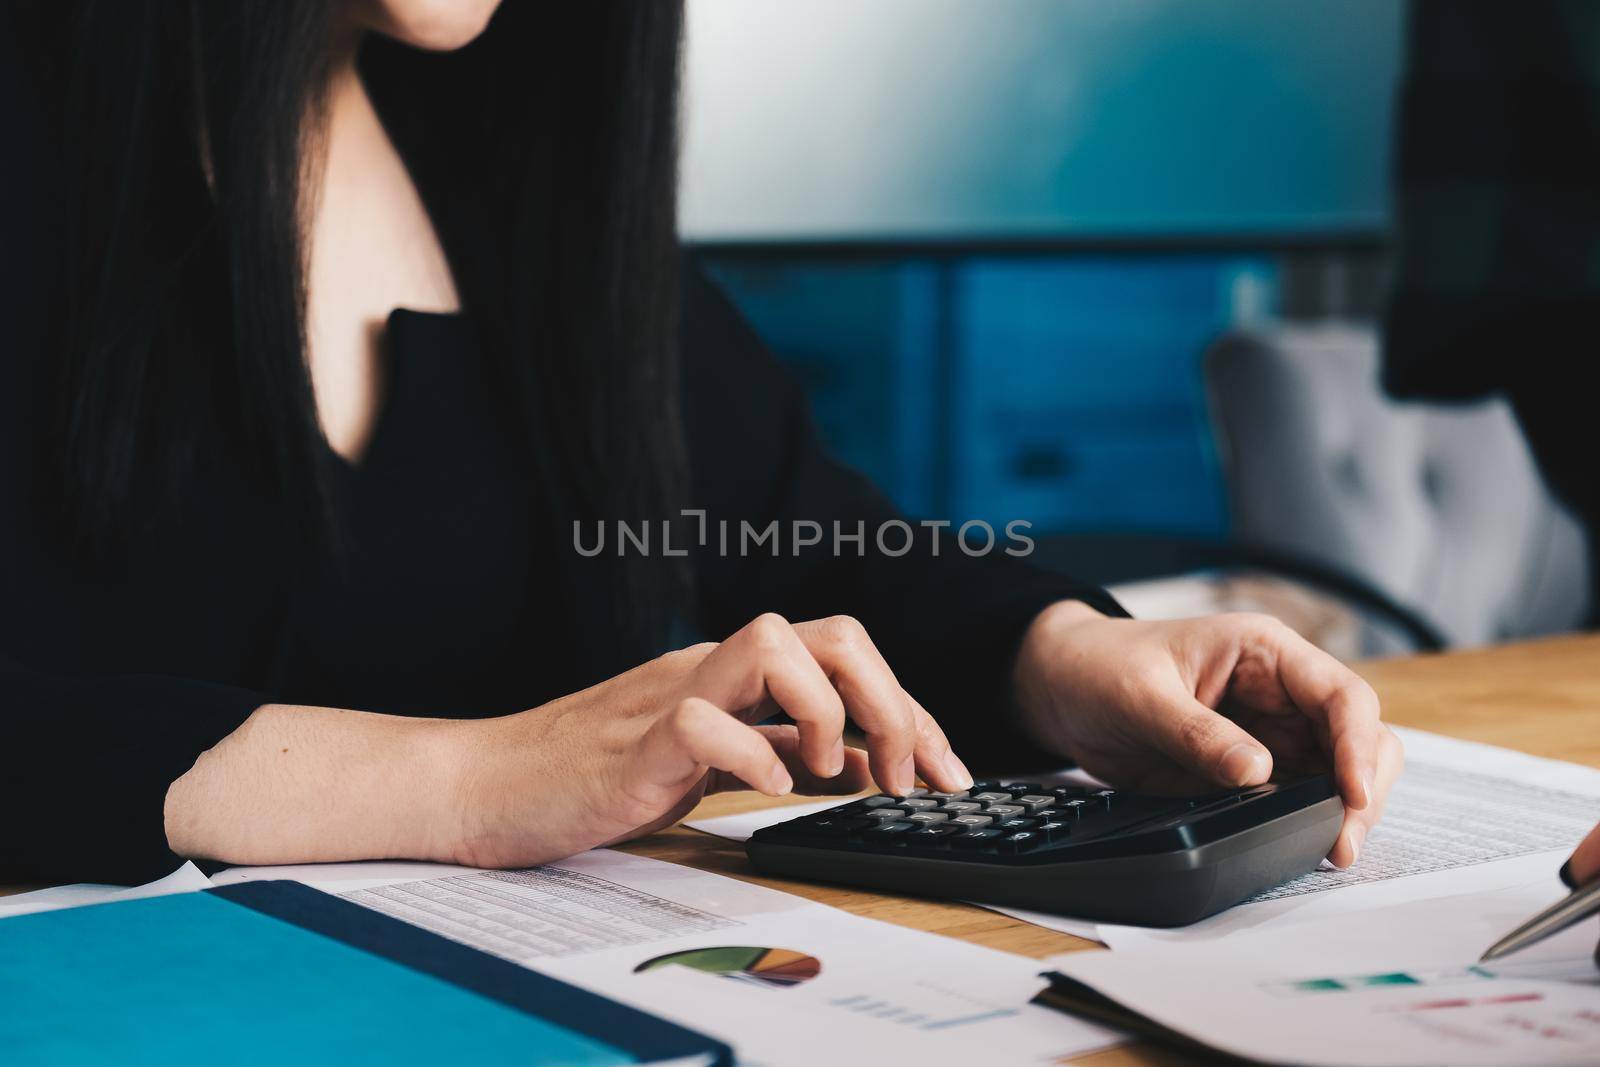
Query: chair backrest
1440,507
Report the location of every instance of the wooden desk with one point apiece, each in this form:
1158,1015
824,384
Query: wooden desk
1542,697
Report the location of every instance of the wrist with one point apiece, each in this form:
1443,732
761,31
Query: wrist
439,755
1035,690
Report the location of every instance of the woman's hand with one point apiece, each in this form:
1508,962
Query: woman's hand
300,784
635,753
1171,707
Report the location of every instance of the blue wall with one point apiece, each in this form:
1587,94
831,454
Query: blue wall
1064,390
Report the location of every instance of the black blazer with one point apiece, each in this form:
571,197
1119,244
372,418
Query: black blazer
459,593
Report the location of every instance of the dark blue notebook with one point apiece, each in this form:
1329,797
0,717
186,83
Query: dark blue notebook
277,972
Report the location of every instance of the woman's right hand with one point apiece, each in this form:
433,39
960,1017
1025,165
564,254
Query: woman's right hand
637,752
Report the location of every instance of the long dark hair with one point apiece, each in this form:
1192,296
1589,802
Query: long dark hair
545,152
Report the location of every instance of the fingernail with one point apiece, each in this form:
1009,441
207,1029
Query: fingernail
782,783
957,771
1243,764
836,759
905,776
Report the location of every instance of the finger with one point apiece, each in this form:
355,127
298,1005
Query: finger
1320,685
936,760
1359,823
875,702
766,660
785,741
696,736
1584,866
1208,744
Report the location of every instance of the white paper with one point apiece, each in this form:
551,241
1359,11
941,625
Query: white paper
884,993
740,827
340,877
1062,924
185,879
1390,986
1464,818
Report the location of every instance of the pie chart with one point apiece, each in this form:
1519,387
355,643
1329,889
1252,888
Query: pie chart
775,968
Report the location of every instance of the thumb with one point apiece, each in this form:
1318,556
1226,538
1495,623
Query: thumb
1210,745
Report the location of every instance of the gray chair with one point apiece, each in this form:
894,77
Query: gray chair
1441,508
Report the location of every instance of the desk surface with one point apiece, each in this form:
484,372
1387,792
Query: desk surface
1542,697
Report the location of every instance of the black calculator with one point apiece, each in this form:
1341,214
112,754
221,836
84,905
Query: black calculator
1097,854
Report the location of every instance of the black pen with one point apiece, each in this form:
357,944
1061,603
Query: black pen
1574,908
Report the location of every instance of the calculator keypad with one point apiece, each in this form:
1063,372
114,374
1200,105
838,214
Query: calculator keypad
992,818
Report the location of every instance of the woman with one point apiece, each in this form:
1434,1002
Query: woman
295,575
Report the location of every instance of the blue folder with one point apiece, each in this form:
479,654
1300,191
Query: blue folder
279,973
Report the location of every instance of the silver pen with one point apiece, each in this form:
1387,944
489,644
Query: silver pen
1573,909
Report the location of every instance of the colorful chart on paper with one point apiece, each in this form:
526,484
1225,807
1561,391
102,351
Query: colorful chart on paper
772,967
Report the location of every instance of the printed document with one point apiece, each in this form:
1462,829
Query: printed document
1394,986
780,978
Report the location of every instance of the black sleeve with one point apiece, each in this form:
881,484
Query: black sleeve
87,764
86,752
102,705
948,623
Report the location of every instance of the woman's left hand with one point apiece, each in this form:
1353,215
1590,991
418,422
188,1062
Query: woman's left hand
1168,707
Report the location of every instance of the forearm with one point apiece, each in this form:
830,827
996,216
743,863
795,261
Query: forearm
305,785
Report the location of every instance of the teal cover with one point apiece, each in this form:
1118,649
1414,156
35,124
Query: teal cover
196,978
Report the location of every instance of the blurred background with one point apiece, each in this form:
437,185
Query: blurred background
1118,269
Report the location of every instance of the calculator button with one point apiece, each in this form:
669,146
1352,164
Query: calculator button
1034,802
983,785
959,807
976,838
1004,811
1072,809
991,797
1104,796
1069,792
917,792
1054,830
1021,841
932,835
1023,787
888,831
1016,823
878,802
927,817
884,814
972,820
919,804
936,795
